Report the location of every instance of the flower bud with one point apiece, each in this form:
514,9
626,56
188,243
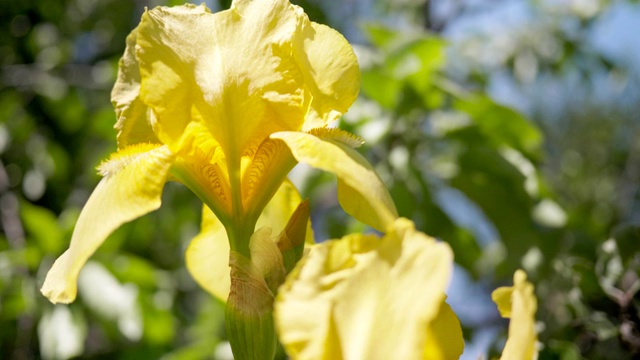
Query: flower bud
249,312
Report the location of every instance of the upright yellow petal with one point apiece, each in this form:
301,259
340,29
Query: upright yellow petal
364,298
518,303
257,68
168,42
234,68
330,70
502,297
133,117
361,192
131,187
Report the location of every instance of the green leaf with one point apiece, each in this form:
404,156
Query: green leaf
380,35
430,218
497,187
502,125
388,94
131,268
41,225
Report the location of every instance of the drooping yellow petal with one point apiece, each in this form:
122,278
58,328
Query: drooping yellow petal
444,336
133,118
331,73
365,298
519,304
361,192
207,257
131,187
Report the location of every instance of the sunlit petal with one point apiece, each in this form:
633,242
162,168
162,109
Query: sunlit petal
364,298
519,304
361,192
444,336
207,257
131,187
166,53
133,118
235,64
331,73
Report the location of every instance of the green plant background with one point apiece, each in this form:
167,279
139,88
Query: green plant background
555,194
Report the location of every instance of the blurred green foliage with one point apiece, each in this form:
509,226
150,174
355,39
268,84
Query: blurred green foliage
555,198
59,61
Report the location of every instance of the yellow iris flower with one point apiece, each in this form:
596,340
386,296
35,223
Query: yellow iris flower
518,303
362,297
225,103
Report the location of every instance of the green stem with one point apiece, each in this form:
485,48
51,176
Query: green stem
240,228
239,234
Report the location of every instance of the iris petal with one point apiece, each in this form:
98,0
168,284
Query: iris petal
363,298
519,304
361,192
233,68
166,49
133,118
131,187
444,336
330,70
207,257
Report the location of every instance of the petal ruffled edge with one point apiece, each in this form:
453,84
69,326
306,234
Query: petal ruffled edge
330,70
164,52
360,297
132,186
133,118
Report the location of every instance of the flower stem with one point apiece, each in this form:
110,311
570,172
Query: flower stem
240,228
